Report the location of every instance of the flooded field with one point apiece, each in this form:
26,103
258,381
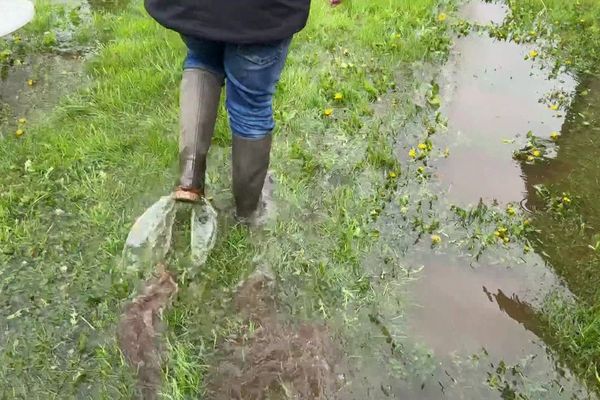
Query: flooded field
434,272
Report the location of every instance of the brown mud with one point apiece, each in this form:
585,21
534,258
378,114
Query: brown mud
139,332
271,358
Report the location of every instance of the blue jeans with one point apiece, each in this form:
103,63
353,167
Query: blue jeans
251,72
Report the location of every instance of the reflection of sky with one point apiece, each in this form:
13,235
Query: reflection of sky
493,95
15,14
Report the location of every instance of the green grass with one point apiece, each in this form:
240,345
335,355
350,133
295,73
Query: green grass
74,183
572,28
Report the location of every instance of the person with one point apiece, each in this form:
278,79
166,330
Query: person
241,45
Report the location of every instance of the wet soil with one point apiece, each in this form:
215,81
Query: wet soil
271,358
32,89
140,329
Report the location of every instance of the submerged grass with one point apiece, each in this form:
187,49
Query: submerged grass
73,185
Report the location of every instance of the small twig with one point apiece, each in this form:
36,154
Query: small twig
87,322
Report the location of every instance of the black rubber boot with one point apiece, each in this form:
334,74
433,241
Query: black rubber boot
250,159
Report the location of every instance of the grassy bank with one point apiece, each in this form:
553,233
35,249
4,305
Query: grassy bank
573,28
74,182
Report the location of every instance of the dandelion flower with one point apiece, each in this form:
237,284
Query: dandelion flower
536,153
533,54
328,112
436,239
554,136
422,146
442,17
19,132
412,153
338,96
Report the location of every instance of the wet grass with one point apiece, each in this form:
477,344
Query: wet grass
74,183
572,27
563,191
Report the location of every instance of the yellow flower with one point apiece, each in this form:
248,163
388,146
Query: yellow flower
510,211
566,200
533,54
422,146
22,121
30,82
436,239
392,174
412,153
554,107
536,153
338,96
497,233
442,17
554,135
530,158
328,112
19,132
506,240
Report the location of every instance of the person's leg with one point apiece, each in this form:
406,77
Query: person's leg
201,85
252,74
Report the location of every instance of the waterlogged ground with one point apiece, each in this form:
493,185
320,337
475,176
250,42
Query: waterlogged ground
382,275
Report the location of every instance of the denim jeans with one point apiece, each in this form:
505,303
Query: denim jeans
251,72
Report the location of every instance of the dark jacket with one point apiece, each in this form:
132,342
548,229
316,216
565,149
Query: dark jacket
232,21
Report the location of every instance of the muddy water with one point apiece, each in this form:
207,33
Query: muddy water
33,88
491,97
466,322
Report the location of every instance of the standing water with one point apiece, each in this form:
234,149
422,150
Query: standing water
492,95
475,333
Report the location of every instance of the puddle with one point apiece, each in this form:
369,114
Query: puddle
475,308
32,89
492,93
472,332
